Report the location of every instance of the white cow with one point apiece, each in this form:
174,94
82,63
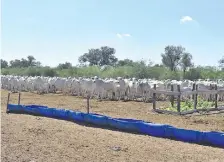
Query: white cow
108,88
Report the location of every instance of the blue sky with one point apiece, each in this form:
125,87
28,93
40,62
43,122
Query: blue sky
55,31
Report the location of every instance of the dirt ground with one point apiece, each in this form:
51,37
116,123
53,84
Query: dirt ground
30,138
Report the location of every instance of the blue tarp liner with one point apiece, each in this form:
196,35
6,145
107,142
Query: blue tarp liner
184,135
157,130
123,124
214,138
76,116
96,119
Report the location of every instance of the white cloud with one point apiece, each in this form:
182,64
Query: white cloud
185,19
126,35
119,35
123,35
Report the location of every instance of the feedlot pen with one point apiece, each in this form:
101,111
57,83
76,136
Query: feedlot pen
27,138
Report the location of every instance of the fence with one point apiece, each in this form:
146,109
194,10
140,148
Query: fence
130,125
19,99
195,92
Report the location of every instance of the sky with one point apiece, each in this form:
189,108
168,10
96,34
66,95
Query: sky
56,31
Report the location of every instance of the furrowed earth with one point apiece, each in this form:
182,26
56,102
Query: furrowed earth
32,138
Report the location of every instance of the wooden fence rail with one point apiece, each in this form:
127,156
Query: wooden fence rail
194,93
8,100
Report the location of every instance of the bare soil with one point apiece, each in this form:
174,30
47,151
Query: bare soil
32,138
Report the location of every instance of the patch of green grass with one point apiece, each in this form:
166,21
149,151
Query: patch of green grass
189,105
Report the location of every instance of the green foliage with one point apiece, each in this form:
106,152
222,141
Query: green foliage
5,72
29,62
172,56
102,56
137,70
33,71
49,72
125,62
189,105
30,71
4,64
221,63
103,63
174,75
186,62
66,65
193,73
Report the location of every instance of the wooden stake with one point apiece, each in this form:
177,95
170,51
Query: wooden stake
210,96
196,98
193,89
88,104
216,97
19,98
172,97
7,110
178,99
154,98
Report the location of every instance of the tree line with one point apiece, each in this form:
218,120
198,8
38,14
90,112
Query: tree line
176,63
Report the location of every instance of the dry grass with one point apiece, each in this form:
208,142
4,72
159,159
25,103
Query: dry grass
27,137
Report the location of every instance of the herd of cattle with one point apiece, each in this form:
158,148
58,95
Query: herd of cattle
107,88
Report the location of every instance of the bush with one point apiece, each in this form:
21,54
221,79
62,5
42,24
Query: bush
5,72
137,70
171,75
192,74
33,72
49,72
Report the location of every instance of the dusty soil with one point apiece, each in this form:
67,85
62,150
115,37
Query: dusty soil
31,138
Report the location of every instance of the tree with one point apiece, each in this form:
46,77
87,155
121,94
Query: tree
172,56
158,65
31,60
186,61
24,63
124,62
93,57
65,65
15,63
192,74
101,57
150,62
4,64
38,64
108,57
221,63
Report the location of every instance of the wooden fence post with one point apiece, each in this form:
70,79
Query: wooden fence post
216,97
87,104
172,97
7,103
19,98
178,98
196,98
154,98
210,96
193,89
